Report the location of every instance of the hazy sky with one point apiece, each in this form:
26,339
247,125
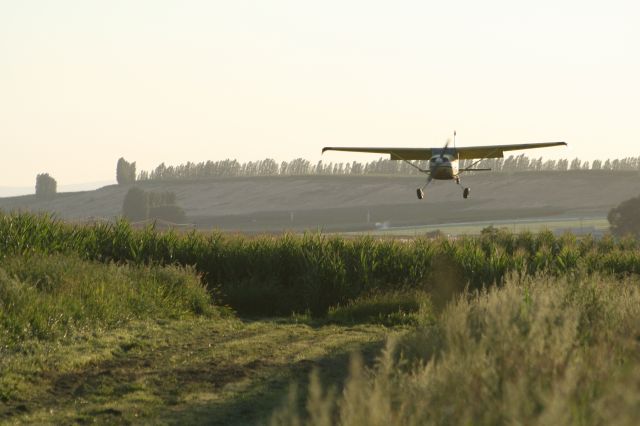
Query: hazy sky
84,82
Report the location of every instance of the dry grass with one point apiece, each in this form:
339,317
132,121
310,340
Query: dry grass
536,351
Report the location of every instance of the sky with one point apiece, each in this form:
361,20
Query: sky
84,82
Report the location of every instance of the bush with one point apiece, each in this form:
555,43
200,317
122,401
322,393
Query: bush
625,218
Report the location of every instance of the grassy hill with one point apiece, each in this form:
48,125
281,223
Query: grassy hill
254,204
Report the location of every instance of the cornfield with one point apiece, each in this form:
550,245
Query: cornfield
312,272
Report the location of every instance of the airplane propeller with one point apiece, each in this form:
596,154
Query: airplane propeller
446,145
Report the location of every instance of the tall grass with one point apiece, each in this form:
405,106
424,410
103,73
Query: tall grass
537,351
48,296
278,275
405,306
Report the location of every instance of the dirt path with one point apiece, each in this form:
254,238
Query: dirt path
184,372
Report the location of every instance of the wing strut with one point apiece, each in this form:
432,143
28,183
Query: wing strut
413,165
469,168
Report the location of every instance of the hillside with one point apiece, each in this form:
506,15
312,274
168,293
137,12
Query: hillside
345,203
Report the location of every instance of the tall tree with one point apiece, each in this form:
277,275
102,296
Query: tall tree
125,172
46,186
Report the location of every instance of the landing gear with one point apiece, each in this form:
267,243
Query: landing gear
420,191
465,191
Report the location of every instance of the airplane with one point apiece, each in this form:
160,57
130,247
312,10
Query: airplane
443,162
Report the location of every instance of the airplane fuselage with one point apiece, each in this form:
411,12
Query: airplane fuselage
444,167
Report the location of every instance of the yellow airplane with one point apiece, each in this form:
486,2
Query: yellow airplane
444,162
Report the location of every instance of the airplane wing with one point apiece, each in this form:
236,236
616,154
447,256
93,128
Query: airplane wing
465,153
497,151
395,153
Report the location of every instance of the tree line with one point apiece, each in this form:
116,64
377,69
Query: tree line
302,167
46,185
140,205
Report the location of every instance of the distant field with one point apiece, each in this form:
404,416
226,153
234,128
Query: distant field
359,203
579,226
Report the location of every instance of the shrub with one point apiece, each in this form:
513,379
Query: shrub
625,218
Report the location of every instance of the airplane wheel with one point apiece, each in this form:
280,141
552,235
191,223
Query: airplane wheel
465,193
420,193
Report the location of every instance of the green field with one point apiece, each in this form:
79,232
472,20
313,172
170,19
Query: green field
110,324
581,226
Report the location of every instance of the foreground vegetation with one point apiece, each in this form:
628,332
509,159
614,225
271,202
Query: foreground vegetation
120,342
280,275
534,351
111,324
46,297
220,371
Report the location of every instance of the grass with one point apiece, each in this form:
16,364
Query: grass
105,323
51,296
408,306
193,371
535,351
85,341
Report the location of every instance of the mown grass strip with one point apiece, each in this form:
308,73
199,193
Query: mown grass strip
194,371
